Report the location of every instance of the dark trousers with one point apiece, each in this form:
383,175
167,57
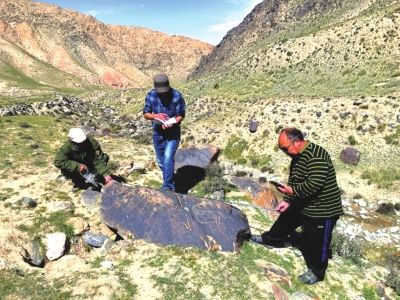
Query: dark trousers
314,242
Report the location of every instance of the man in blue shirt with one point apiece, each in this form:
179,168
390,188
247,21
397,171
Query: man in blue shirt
165,107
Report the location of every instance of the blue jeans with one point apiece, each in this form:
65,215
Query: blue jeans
165,149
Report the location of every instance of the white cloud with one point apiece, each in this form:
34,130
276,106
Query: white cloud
233,19
92,12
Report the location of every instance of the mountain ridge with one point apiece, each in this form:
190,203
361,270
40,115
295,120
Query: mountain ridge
80,45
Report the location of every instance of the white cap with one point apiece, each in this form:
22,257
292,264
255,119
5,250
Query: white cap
77,135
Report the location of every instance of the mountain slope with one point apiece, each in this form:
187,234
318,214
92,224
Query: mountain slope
96,53
309,47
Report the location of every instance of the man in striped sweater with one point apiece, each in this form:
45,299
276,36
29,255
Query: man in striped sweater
311,200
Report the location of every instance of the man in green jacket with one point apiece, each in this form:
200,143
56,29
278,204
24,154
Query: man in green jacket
81,154
311,200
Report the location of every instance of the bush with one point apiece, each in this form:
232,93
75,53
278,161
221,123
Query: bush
393,278
352,140
24,125
347,248
393,139
384,178
214,180
235,148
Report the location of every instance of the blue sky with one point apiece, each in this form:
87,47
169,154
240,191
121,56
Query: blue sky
206,20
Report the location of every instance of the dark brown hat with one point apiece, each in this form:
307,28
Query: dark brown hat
161,83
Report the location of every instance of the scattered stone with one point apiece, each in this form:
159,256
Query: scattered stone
277,274
358,102
246,185
67,207
262,180
360,202
266,133
27,202
107,245
301,296
253,125
3,263
386,209
279,293
93,239
350,155
34,255
398,118
55,243
218,195
91,198
79,225
106,264
318,114
397,206
241,173
343,115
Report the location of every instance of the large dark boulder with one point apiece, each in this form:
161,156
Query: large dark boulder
191,164
169,218
350,156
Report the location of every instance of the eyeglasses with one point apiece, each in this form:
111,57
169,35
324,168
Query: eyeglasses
286,149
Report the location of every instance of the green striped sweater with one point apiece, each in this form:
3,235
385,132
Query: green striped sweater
313,179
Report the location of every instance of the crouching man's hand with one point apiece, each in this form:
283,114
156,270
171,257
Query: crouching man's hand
282,207
82,168
108,179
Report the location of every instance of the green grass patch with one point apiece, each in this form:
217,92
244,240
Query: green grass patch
234,148
30,141
45,223
384,178
31,286
394,138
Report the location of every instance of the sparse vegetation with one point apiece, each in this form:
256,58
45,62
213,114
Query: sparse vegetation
45,223
350,249
384,178
234,148
15,284
352,140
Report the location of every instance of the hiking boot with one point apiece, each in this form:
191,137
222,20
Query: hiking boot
256,239
309,277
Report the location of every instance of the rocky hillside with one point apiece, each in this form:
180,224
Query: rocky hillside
38,205
309,47
43,45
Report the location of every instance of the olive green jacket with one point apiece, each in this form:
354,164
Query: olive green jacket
69,157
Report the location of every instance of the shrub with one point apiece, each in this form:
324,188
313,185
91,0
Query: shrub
347,248
393,278
24,125
352,140
235,148
393,139
214,180
384,178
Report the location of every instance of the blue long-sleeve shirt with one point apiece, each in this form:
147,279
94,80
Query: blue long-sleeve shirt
173,108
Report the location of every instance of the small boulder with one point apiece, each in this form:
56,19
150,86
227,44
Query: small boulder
91,198
253,125
79,225
55,243
64,206
350,156
386,209
34,255
93,239
27,202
